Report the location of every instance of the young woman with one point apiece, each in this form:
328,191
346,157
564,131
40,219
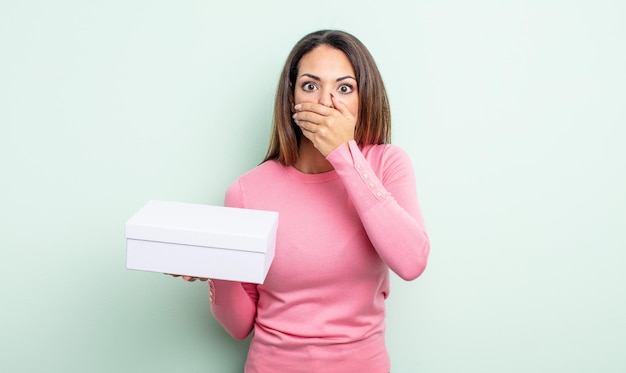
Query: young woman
348,213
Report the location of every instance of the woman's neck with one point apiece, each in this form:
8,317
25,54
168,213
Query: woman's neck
310,160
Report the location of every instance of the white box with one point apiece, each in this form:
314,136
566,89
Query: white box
202,240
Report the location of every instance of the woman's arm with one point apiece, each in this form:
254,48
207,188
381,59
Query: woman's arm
234,303
388,208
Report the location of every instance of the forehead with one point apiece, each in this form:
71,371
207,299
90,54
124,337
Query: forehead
325,60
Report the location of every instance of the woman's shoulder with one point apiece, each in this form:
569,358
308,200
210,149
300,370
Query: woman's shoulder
265,171
245,188
385,154
381,149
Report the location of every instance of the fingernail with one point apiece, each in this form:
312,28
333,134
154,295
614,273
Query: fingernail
297,107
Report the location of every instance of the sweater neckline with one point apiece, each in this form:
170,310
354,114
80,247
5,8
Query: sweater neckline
311,178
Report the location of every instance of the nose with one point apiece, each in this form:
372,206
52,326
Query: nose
325,98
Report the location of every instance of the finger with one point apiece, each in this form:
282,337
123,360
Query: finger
189,278
304,127
304,117
307,133
314,108
340,106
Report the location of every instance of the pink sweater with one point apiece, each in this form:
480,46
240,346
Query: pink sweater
322,306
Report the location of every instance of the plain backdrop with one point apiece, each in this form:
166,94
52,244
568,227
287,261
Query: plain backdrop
513,113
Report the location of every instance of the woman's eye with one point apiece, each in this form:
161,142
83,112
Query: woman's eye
345,88
308,87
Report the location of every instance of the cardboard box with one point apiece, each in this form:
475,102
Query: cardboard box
201,240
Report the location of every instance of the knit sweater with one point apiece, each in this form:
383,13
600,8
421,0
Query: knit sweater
322,305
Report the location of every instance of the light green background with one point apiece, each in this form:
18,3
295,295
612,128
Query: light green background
513,113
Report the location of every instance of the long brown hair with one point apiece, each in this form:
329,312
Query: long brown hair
374,119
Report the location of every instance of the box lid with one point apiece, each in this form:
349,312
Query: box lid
203,225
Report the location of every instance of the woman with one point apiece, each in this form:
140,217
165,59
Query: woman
348,213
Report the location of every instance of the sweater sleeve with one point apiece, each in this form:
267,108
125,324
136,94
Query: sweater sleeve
387,206
234,303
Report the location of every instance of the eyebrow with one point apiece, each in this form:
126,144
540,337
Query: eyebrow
317,78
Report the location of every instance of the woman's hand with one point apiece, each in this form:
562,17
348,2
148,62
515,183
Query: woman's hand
189,278
326,127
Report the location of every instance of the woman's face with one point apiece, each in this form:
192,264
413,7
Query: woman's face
325,71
